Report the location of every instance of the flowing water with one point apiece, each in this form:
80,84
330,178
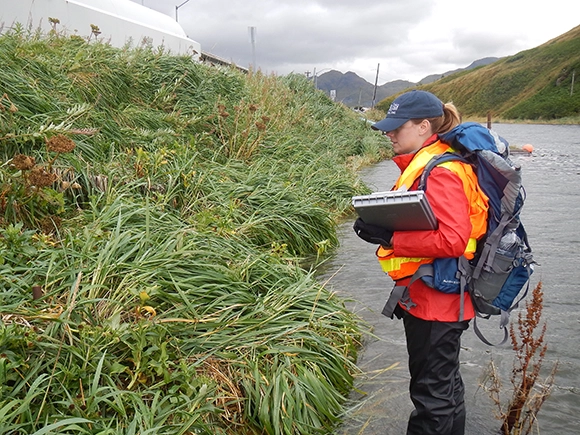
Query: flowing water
551,176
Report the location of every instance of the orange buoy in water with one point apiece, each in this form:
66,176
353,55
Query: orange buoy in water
528,147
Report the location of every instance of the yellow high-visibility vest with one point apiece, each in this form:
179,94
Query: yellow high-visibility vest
401,267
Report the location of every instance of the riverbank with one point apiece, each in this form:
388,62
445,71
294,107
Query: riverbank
154,216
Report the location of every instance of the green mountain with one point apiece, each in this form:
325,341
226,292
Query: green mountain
536,84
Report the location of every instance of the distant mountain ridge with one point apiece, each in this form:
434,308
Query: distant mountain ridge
539,84
354,91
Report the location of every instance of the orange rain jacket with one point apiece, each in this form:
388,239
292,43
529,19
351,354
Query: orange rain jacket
461,211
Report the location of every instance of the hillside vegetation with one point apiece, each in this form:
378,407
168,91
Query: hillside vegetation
536,84
157,222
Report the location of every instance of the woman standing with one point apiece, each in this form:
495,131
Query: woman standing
433,320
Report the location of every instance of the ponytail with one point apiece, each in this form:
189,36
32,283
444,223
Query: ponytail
451,118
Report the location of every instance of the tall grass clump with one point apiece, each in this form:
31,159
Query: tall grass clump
156,217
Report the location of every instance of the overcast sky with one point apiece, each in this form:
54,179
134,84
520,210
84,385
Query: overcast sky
403,39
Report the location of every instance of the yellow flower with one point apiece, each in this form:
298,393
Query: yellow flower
144,296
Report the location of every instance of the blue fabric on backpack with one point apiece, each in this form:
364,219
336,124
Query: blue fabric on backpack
516,280
471,136
444,276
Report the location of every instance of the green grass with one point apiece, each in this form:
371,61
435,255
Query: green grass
176,245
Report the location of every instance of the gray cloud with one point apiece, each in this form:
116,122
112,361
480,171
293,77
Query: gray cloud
409,39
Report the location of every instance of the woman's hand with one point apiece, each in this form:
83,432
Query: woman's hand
372,233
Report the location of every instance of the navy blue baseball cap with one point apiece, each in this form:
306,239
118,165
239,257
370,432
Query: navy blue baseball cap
410,105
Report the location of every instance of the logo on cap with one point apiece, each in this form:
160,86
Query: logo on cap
393,109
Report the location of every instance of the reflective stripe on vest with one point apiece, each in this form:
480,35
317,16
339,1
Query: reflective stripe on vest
401,267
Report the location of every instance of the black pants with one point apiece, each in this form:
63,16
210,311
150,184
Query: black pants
436,387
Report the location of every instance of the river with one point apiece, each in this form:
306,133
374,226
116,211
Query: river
551,176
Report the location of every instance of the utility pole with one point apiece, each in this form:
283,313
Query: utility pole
375,91
177,8
252,32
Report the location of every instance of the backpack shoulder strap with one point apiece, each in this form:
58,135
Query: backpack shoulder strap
435,161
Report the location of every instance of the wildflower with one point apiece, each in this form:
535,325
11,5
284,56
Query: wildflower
23,162
60,144
50,224
252,108
95,30
53,22
144,296
222,111
12,108
39,177
260,126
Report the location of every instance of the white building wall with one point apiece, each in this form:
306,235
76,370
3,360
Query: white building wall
119,21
